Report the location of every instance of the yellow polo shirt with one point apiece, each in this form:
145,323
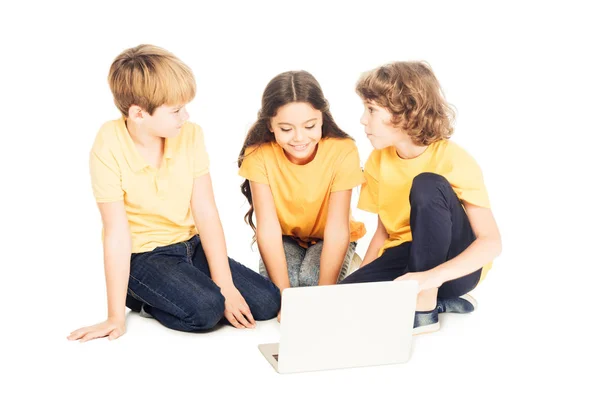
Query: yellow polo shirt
389,180
157,201
301,192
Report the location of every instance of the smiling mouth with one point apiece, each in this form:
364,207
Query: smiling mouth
300,147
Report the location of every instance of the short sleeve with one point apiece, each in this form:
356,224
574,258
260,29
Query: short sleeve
253,166
106,175
349,173
201,162
369,192
467,181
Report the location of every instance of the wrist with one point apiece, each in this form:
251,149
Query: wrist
436,276
326,282
118,318
283,287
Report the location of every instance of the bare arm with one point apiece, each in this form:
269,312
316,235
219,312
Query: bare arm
336,238
486,247
117,256
268,235
376,244
210,230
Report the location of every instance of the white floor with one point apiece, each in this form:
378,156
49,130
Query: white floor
473,356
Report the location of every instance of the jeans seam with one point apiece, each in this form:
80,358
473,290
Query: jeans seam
188,252
157,294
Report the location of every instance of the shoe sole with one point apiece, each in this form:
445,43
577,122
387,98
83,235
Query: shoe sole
426,329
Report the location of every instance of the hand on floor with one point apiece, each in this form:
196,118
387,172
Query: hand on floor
237,311
111,328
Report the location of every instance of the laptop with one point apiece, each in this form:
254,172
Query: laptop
344,326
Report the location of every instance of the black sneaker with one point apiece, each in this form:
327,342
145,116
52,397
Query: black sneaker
462,305
426,322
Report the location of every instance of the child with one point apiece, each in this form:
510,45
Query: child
435,224
300,168
164,249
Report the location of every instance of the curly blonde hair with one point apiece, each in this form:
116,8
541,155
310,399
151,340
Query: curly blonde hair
412,94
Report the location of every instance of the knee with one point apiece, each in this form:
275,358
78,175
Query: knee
427,186
207,311
267,305
308,277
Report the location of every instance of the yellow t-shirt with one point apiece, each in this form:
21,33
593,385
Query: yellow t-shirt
301,192
389,180
157,201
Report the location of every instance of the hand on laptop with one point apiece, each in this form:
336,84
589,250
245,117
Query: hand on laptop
237,311
279,316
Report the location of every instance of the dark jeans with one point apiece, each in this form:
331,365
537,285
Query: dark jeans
174,284
440,231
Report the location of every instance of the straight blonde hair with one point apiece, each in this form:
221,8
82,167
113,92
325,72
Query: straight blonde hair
149,77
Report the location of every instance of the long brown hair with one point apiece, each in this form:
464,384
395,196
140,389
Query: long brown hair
287,87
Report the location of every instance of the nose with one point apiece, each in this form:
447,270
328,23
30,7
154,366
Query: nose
298,136
363,118
185,115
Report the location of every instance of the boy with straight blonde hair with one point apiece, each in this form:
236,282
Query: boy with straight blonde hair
164,247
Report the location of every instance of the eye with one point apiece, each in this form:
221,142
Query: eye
177,111
286,130
371,110
310,127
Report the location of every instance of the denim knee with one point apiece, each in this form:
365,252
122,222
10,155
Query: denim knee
207,311
268,305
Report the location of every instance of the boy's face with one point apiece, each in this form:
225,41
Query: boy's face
166,121
298,128
378,127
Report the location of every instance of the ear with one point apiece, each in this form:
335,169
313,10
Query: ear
136,113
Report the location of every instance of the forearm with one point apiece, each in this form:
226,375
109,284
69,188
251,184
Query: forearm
335,246
376,244
270,246
117,260
212,238
479,253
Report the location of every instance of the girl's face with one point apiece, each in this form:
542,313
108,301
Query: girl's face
298,128
378,126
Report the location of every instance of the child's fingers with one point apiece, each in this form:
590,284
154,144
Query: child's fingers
231,318
95,334
115,334
240,317
75,335
248,314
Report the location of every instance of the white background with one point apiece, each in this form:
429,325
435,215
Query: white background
524,79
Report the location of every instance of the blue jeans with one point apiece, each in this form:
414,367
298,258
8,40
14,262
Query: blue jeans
173,284
440,231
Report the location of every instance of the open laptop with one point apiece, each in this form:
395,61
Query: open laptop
343,326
